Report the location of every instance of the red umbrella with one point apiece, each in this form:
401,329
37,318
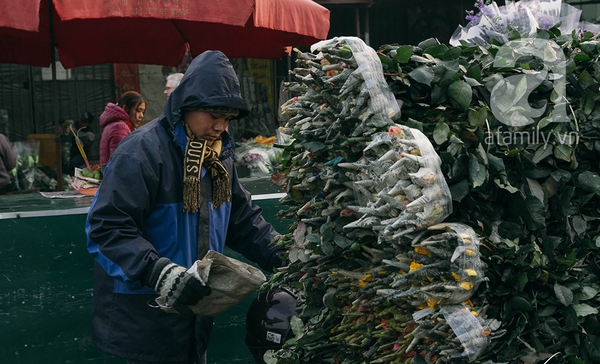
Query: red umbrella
88,32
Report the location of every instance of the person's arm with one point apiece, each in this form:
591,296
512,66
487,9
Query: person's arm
248,232
116,219
120,131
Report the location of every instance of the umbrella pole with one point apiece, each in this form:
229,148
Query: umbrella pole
59,178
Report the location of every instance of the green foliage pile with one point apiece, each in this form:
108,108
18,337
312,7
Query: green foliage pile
531,193
535,203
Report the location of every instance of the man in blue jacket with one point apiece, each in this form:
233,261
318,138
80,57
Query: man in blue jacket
170,193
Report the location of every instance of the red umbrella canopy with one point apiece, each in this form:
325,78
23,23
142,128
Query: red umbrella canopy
19,15
274,25
88,32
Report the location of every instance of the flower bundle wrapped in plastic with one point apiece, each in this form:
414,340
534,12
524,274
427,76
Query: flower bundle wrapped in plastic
494,24
373,271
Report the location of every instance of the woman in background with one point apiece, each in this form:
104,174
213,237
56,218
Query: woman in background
118,121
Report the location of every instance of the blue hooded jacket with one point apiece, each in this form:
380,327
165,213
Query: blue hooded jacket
137,217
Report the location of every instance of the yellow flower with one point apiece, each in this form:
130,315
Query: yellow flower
367,278
431,303
471,272
422,251
466,286
456,277
415,266
465,237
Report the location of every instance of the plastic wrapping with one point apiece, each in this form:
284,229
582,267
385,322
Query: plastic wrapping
382,100
493,22
467,328
27,154
458,248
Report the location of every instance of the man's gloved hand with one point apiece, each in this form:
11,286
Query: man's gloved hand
178,288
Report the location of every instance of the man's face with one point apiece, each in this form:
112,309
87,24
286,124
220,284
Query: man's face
169,88
207,125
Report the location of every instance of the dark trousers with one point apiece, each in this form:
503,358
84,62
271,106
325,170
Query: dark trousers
204,326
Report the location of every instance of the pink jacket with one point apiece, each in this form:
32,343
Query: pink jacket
116,124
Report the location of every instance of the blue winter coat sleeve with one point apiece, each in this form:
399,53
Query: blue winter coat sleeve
249,233
116,218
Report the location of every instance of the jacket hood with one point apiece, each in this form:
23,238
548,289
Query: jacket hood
113,113
210,81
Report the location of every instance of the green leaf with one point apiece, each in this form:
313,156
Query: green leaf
591,343
441,132
551,329
583,309
589,181
570,319
269,357
461,93
585,79
313,147
521,281
429,42
459,190
542,152
297,326
388,63
581,57
547,310
423,74
510,230
452,53
496,164
403,53
313,238
342,241
563,294
460,168
536,189
327,232
587,293
579,225
436,51
474,72
519,303
563,152
531,209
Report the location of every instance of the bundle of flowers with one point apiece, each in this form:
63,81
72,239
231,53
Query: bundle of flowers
515,126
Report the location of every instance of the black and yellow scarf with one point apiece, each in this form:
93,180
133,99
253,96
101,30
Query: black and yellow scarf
198,154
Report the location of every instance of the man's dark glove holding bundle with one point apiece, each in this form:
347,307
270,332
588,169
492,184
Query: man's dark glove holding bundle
179,289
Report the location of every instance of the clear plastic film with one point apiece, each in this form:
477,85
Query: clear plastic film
457,247
382,100
492,22
468,329
398,184
27,155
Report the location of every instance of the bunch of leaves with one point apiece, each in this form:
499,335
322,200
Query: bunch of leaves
531,192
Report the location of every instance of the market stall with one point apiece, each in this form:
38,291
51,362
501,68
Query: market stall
46,270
